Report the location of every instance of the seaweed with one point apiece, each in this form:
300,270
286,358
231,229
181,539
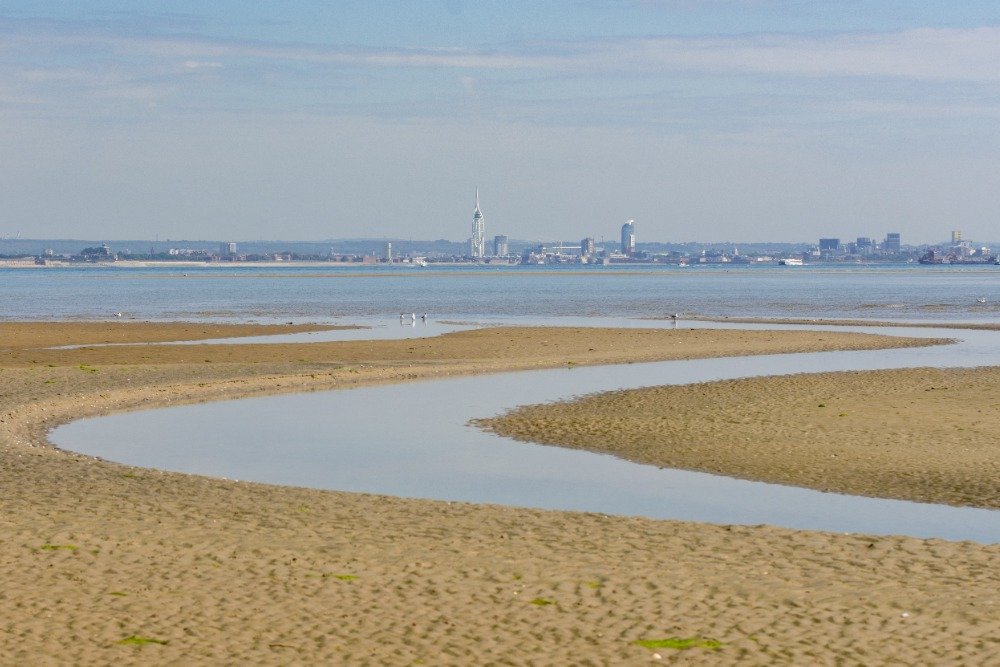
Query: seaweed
136,640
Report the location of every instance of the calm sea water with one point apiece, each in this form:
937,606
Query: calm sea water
902,292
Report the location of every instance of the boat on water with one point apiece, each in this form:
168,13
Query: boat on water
791,261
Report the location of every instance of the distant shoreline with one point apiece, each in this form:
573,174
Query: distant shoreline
618,267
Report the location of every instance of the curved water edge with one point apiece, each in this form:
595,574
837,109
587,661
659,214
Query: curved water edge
412,440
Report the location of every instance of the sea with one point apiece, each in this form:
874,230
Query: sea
247,292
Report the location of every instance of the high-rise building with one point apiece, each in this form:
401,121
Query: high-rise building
477,244
587,247
628,238
891,245
500,247
829,245
387,255
956,237
227,249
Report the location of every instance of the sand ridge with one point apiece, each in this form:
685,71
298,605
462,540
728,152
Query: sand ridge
921,434
40,335
975,326
95,554
489,348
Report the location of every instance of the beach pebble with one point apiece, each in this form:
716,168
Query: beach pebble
657,656
905,615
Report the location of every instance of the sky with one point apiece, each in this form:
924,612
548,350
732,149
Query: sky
702,120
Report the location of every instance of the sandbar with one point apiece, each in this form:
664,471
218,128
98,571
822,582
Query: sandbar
40,335
921,434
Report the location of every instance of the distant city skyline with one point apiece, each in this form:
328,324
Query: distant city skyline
891,241
700,119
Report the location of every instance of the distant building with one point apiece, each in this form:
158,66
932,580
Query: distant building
891,245
587,247
227,249
956,237
500,246
387,254
628,238
477,244
864,245
829,245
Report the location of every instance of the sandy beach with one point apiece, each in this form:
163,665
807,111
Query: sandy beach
108,564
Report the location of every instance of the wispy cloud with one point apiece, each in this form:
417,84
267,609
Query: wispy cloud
193,65
66,62
934,54
924,54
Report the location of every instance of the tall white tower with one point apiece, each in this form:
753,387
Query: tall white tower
477,244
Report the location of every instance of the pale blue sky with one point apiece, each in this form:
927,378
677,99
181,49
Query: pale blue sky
707,120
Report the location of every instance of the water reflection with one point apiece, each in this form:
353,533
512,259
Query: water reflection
412,440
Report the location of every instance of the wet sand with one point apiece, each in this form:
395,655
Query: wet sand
102,563
978,326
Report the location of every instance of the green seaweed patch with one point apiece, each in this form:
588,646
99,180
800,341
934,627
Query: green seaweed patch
136,640
119,594
680,643
542,602
593,584
87,369
341,577
57,547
